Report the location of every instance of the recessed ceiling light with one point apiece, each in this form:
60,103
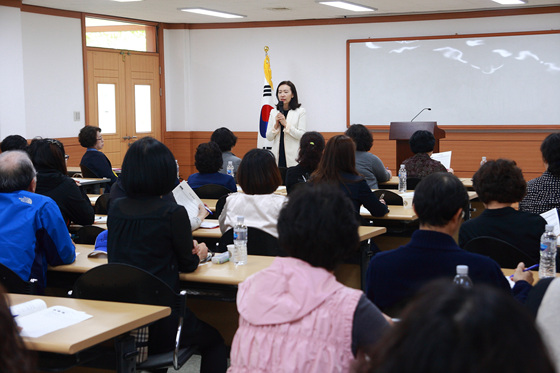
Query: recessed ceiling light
348,6
214,13
511,2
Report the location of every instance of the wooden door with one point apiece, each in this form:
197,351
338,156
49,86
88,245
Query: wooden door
123,98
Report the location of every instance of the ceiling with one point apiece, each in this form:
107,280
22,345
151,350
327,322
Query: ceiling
267,10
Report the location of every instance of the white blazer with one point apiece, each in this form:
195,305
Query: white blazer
295,128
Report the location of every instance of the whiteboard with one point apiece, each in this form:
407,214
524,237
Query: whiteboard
494,79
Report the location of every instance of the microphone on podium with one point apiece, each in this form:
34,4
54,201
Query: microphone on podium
426,108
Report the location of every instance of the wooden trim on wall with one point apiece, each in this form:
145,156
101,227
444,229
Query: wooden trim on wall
50,11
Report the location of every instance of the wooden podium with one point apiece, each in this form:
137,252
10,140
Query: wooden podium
401,131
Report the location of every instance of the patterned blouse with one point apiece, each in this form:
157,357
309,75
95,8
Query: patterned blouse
543,194
421,165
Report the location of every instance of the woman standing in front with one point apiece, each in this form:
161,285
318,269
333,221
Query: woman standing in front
286,125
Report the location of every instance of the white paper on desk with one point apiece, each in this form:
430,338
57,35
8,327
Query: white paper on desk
209,224
100,219
48,320
551,217
444,158
510,281
186,197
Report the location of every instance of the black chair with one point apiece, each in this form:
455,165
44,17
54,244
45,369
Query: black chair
212,191
87,234
219,206
258,243
88,174
504,253
102,204
15,284
390,197
411,182
125,283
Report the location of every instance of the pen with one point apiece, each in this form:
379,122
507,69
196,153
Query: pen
382,195
528,269
208,209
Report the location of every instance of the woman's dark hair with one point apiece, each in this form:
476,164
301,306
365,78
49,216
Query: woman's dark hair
318,225
311,146
438,197
294,102
258,172
148,169
208,158
339,156
448,328
13,142
224,138
422,142
88,136
47,154
361,136
550,149
14,356
500,181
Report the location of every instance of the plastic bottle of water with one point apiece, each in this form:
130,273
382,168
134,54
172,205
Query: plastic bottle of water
177,162
230,169
462,278
483,161
402,179
240,242
547,265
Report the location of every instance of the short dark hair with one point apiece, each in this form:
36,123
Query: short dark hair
16,171
438,197
448,328
422,142
148,169
208,158
294,102
318,225
258,172
13,142
361,136
311,146
224,138
550,149
339,157
501,181
47,154
88,136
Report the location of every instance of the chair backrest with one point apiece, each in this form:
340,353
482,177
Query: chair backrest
411,182
87,234
390,197
87,173
259,242
102,204
504,253
15,284
212,191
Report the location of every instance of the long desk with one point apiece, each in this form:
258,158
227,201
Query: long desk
110,320
393,183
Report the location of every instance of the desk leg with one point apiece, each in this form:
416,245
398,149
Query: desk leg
125,347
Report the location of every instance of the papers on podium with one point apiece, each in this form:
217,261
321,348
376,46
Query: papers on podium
35,319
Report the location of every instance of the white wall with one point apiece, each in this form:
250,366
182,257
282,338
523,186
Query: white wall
226,72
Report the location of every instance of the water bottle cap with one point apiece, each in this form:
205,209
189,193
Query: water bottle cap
229,163
462,270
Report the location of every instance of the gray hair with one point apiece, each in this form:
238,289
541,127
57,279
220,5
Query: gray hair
16,171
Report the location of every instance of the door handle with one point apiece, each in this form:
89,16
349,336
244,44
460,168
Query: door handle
126,137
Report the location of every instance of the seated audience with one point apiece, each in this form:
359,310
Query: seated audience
547,319
48,157
33,234
97,162
294,315
226,140
259,178
13,142
421,164
543,193
498,185
208,160
311,146
154,234
394,276
367,164
14,356
338,166
448,328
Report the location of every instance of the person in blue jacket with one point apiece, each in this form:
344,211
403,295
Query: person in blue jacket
33,234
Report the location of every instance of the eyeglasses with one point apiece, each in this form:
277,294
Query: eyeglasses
100,138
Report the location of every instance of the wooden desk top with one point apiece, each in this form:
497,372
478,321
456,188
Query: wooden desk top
394,181
211,203
91,181
83,263
93,198
395,213
110,319
227,273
